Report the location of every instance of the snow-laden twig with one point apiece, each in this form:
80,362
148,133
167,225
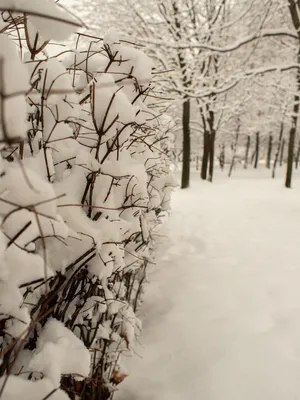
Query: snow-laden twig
84,179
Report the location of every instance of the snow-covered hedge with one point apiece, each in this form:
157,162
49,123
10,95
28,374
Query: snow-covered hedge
84,180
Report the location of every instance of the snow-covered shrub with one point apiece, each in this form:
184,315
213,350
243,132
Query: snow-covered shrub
84,179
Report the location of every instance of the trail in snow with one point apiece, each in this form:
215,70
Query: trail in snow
222,313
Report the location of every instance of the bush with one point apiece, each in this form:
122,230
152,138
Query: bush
84,182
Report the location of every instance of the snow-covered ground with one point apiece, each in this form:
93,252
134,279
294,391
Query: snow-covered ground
222,313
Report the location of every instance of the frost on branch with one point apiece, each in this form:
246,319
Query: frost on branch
84,183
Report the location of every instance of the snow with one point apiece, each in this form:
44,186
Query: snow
13,82
51,21
232,46
31,390
59,352
221,313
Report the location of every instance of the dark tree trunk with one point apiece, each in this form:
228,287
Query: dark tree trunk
294,11
257,143
253,157
247,151
212,137
205,155
269,155
291,145
234,153
209,138
186,145
278,150
282,152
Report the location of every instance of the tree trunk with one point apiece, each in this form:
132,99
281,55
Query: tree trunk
291,145
257,143
269,155
294,8
278,150
282,152
234,154
186,82
204,164
212,137
247,151
186,145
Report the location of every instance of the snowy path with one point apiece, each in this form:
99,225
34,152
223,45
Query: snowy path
222,313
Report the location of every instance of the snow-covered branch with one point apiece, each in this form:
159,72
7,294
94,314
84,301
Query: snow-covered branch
84,182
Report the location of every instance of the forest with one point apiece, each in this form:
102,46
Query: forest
231,67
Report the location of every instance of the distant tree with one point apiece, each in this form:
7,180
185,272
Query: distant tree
294,7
